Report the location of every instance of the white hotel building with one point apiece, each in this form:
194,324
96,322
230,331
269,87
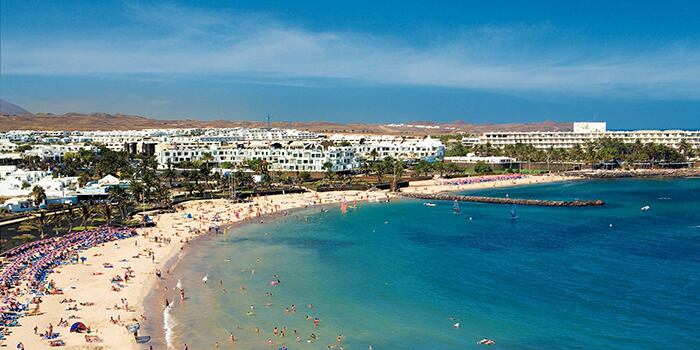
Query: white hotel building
345,152
282,149
428,149
589,131
279,155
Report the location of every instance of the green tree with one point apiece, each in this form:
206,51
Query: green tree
39,194
379,170
398,167
374,154
42,220
104,209
205,169
121,199
686,149
422,167
482,168
169,175
87,210
328,168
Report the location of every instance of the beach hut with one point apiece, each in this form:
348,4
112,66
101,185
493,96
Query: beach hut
78,327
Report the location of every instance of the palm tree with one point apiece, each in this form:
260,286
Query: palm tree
591,149
163,195
440,168
374,154
378,168
204,168
328,167
86,212
122,199
42,221
685,149
169,174
192,183
398,169
69,217
137,190
39,194
104,209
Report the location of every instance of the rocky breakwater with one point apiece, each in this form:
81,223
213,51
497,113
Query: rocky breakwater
501,200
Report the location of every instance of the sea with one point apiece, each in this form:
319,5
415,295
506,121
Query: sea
403,275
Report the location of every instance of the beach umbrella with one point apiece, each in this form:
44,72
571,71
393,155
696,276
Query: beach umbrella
77,327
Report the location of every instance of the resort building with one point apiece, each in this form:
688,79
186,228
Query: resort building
280,156
7,146
56,152
589,131
382,146
17,182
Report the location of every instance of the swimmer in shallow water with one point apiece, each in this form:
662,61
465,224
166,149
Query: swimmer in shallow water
486,341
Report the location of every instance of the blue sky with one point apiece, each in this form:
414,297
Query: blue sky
634,64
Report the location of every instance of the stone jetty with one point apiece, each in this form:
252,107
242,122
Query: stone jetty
502,200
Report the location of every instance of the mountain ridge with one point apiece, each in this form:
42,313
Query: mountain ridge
9,108
106,121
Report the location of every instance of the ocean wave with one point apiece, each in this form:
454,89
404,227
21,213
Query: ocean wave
168,325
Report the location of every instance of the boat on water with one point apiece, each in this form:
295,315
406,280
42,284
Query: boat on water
645,208
427,204
455,208
513,213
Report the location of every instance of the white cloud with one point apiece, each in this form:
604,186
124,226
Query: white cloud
172,40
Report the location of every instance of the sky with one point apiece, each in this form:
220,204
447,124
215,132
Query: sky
632,64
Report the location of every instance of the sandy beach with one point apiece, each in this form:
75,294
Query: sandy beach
94,301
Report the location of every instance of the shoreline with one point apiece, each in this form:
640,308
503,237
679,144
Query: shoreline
153,301
89,282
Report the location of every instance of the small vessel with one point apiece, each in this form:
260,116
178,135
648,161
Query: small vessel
645,208
430,204
513,213
455,208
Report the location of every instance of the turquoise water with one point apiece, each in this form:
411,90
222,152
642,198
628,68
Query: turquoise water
398,275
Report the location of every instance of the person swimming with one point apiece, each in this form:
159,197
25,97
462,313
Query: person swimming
486,341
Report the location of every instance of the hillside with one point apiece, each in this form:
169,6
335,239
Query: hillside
101,121
8,108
